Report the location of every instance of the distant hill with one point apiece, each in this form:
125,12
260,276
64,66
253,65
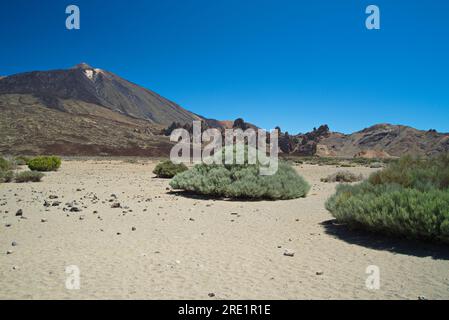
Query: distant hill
378,141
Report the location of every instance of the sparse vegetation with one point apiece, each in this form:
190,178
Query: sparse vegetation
242,181
339,162
6,176
4,164
343,176
29,176
168,169
21,160
44,163
376,165
409,198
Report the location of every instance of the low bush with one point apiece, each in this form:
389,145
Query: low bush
6,176
242,181
21,160
168,169
343,176
376,165
5,165
29,176
409,198
44,163
422,174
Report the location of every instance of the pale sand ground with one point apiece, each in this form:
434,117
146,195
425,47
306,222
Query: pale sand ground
169,256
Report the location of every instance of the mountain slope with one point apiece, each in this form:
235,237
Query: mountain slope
95,86
379,141
30,128
395,140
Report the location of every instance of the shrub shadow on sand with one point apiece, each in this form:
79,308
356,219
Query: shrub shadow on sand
386,242
197,196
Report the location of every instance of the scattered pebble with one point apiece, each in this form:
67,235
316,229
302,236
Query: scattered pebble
19,213
211,295
289,253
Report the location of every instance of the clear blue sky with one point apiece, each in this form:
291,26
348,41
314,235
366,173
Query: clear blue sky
296,64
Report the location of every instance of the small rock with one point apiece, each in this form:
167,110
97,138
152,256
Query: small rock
289,253
319,273
14,244
74,209
46,203
53,197
133,229
19,213
81,217
422,298
115,205
9,252
15,268
211,295
44,220
55,204
191,219
7,225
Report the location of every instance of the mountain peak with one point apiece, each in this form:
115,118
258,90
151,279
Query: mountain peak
83,66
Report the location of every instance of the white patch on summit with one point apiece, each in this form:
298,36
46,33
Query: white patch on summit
89,73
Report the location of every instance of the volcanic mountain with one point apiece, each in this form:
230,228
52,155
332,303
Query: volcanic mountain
83,111
86,84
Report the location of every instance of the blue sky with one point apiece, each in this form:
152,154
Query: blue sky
296,64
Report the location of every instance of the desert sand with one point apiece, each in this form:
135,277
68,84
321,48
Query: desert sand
166,245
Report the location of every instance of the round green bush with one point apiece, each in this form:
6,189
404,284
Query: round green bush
44,163
168,169
242,181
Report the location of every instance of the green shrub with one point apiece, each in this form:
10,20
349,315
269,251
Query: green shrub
242,181
44,163
415,173
409,198
343,176
29,176
376,165
4,164
6,176
168,169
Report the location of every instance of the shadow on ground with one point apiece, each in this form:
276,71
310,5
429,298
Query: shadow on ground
196,196
386,243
